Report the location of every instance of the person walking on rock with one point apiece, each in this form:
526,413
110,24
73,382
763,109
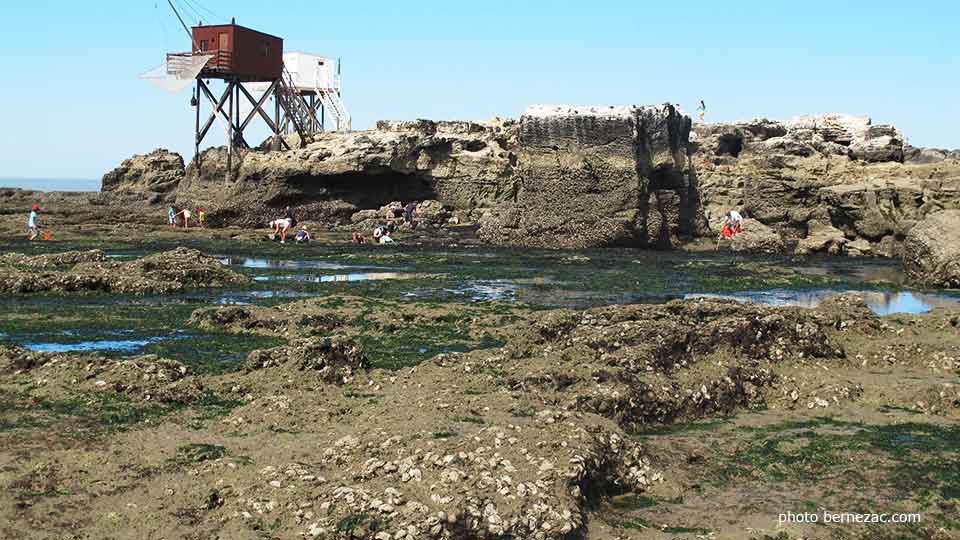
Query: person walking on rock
33,222
408,212
172,217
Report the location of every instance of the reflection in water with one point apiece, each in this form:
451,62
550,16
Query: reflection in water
332,278
477,291
881,303
127,345
279,264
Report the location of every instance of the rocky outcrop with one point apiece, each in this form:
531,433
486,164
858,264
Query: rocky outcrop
560,177
459,164
429,213
756,238
51,260
169,271
334,360
155,175
931,254
834,184
599,176
571,177
142,378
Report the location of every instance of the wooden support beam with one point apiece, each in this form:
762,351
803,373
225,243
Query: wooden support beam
258,107
217,106
230,135
196,127
218,109
291,116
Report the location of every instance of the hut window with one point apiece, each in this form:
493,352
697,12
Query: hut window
204,45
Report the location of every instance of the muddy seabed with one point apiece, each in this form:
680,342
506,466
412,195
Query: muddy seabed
242,389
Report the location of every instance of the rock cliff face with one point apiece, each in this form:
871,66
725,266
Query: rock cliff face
462,164
572,177
560,177
931,254
829,184
597,177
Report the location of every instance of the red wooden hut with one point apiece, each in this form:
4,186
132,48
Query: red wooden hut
239,53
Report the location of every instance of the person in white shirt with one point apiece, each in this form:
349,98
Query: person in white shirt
732,224
33,222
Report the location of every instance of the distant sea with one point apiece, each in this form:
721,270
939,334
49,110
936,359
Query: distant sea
51,184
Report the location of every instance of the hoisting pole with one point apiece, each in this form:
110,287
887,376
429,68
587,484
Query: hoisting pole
183,24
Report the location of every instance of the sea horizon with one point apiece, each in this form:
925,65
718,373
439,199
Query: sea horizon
50,184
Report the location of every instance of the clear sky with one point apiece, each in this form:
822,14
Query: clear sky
74,108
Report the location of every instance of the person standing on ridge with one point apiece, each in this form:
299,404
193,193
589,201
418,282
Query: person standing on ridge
702,110
33,222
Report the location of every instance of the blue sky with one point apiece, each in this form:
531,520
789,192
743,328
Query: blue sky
74,107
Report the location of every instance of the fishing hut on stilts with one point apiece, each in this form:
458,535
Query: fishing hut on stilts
303,87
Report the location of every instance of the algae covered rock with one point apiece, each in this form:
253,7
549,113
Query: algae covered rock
335,359
52,260
158,172
169,271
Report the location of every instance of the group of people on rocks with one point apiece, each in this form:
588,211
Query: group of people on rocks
174,216
284,223
383,234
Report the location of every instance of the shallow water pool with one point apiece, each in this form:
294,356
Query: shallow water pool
123,345
880,302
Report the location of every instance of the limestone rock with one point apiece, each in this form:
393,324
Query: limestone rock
587,176
757,238
931,254
338,174
839,128
822,237
833,183
879,144
158,172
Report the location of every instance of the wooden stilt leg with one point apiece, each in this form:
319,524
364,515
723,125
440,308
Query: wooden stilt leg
230,131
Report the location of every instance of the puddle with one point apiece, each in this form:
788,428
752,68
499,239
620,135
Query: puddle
335,278
868,272
279,264
477,291
881,303
123,345
249,297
